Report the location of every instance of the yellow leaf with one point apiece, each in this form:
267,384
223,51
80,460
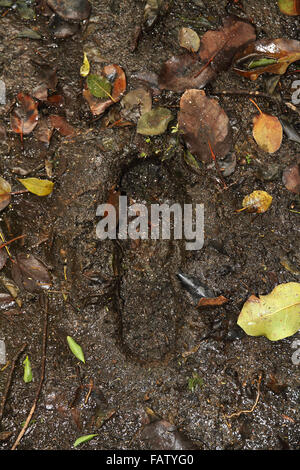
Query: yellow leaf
267,131
85,68
5,187
258,201
37,186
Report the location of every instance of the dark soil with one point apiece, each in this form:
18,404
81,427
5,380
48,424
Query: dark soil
122,301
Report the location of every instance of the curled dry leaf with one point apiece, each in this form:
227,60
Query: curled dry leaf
291,178
212,302
201,120
257,201
267,131
275,315
24,116
30,274
266,55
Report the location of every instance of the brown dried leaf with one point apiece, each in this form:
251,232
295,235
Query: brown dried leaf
202,120
291,178
212,302
223,44
62,126
30,274
182,72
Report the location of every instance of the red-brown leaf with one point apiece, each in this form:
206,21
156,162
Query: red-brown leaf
24,116
203,121
62,126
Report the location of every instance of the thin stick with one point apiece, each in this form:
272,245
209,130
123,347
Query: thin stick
13,365
43,363
238,413
257,93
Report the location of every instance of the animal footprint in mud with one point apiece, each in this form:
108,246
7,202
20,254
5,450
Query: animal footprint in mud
148,307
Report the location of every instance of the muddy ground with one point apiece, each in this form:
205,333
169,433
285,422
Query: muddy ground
142,337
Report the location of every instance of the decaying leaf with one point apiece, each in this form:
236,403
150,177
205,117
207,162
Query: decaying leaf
201,120
162,435
276,315
289,7
184,71
30,274
136,103
44,130
75,348
267,131
291,178
266,55
189,39
222,45
24,116
257,201
38,186
154,122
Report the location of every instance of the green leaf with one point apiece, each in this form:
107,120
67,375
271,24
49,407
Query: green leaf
27,377
194,382
190,159
6,3
154,122
29,33
76,349
37,186
261,63
276,315
100,87
289,7
83,439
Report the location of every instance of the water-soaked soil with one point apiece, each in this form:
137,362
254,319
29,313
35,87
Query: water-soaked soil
142,337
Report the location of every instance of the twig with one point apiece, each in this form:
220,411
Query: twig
43,363
238,413
257,93
9,379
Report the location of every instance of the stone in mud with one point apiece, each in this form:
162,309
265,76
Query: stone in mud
72,10
63,30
